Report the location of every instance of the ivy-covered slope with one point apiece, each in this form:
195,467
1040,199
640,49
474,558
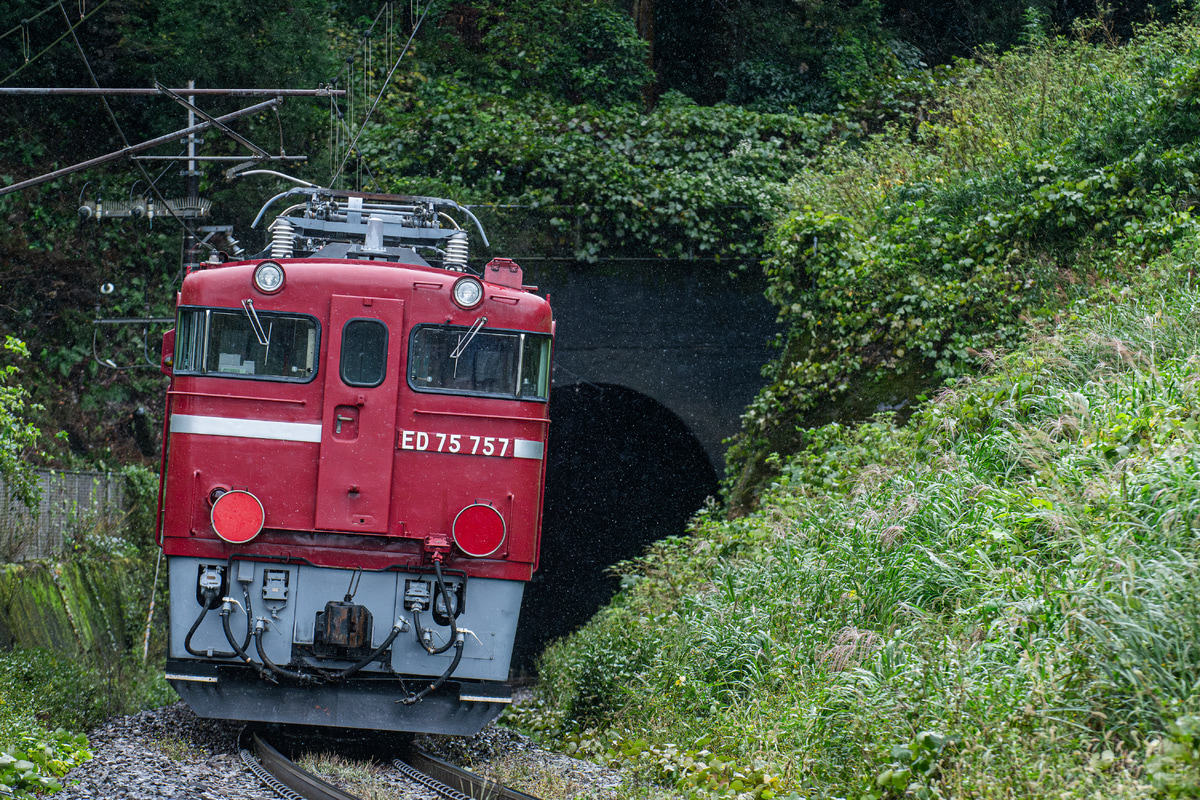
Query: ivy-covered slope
577,132
682,180
1035,175
919,224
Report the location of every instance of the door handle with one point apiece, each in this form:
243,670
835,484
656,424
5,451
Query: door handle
340,420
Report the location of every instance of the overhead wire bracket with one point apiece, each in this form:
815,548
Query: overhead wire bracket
137,148
225,129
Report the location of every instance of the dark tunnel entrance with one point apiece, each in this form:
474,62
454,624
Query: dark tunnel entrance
623,471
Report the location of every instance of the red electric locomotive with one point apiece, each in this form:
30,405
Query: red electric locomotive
353,466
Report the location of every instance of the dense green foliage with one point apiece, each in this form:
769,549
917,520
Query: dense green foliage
1039,172
134,43
52,688
39,688
52,266
44,693
810,56
554,133
32,765
18,436
582,138
995,599
594,55
681,180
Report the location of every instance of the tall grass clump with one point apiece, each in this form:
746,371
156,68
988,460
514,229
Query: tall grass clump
1036,175
996,599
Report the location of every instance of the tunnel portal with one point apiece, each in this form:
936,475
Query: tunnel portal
654,362
623,471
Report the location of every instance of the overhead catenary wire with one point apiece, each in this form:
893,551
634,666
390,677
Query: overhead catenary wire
121,90
145,175
337,117
125,141
337,143
25,22
383,87
44,50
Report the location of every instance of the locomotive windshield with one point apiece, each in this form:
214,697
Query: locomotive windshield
457,360
220,341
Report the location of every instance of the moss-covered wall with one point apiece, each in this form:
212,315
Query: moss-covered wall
70,607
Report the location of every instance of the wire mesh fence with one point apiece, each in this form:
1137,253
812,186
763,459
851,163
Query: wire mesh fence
72,504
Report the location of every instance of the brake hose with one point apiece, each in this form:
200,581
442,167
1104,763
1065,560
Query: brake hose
433,687
187,640
353,668
422,634
271,665
209,597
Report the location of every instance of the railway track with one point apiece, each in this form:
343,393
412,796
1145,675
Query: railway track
291,782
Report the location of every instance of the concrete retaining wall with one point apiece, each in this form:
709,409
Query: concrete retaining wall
72,608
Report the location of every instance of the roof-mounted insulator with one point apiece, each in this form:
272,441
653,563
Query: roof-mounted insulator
282,238
373,240
457,251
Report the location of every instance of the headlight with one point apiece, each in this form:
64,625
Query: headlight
268,277
468,292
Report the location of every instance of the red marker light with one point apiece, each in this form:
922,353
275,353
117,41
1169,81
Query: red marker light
479,530
237,516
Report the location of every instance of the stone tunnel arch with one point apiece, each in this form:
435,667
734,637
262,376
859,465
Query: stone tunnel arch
623,471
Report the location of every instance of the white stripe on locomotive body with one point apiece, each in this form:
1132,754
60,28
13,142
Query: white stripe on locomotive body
528,448
246,428
298,432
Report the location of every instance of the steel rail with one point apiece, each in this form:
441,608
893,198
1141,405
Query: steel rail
462,784
292,783
298,783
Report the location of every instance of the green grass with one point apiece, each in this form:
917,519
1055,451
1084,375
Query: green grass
997,599
47,698
1031,177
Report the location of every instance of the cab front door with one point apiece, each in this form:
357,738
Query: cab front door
362,378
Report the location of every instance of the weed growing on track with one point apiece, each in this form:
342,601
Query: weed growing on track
996,599
363,779
178,748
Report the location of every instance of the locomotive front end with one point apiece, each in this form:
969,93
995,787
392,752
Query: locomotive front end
352,482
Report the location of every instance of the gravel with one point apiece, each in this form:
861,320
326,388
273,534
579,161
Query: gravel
171,753
168,752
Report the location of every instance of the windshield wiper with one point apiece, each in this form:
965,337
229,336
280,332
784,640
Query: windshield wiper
264,338
466,340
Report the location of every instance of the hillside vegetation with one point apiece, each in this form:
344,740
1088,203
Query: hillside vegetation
618,136
992,593
996,599
1034,176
